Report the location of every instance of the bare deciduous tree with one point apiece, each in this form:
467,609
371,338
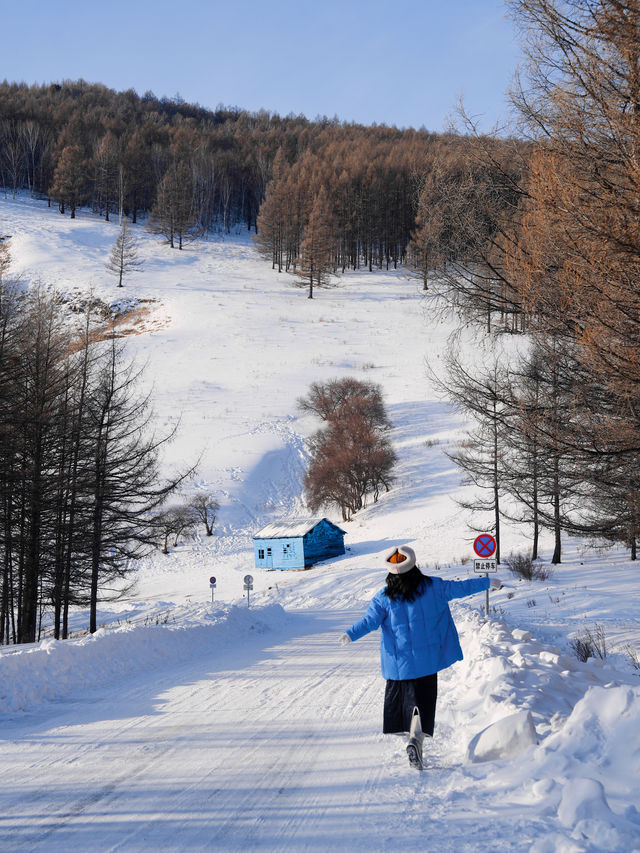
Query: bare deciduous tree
204,508
352,456
329,400
172,522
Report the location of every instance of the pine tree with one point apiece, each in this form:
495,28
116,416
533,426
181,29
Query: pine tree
124,254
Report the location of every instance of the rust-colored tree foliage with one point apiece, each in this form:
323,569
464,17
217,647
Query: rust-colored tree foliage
562,254
577,262
352,456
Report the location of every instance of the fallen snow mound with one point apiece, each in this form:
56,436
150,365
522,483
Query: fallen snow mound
506,738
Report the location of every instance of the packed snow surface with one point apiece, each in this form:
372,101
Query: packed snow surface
187,724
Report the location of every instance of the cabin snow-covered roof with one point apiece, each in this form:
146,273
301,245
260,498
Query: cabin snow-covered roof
291,528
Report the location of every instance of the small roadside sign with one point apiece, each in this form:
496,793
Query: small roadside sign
485,566
248,585
212,586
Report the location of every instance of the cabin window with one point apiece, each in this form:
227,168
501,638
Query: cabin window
286,549
261,553
268,552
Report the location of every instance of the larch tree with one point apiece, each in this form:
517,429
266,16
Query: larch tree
427,250
574,252
107,166
316,263
5,258
273,219
69,186
79,467
124,257
581,102
173,214
479,389
124,484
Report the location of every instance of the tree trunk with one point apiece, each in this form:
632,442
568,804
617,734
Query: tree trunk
557,529
496,481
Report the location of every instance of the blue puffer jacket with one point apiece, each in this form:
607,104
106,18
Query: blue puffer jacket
418,637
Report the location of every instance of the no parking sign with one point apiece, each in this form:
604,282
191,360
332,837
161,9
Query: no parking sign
485,545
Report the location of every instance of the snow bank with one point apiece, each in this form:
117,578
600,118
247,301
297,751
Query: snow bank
53,669
573,730
592,761
602,732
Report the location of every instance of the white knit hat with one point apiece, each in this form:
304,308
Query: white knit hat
405,565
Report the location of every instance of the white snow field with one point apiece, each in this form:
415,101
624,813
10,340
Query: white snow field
190,725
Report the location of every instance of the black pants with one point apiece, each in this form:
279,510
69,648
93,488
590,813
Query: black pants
401,697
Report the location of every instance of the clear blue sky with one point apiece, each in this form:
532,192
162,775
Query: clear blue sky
402,62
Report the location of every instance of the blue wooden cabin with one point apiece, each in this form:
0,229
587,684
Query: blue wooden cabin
297,543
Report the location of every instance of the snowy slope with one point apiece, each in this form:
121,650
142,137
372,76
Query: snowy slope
233,729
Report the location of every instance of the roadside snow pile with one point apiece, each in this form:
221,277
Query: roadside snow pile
573,728
53,669
592,761
507,672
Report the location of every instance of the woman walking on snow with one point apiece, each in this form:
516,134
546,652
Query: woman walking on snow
418,639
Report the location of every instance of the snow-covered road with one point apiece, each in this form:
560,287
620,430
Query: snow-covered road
259,748
275,746
273,743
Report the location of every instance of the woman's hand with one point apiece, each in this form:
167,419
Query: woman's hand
495,583
345,639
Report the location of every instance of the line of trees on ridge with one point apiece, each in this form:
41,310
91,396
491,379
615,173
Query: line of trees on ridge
323,196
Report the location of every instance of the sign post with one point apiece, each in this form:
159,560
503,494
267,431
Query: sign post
248,585
485,547
212,586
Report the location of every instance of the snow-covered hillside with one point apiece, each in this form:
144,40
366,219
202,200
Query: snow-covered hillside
186,725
